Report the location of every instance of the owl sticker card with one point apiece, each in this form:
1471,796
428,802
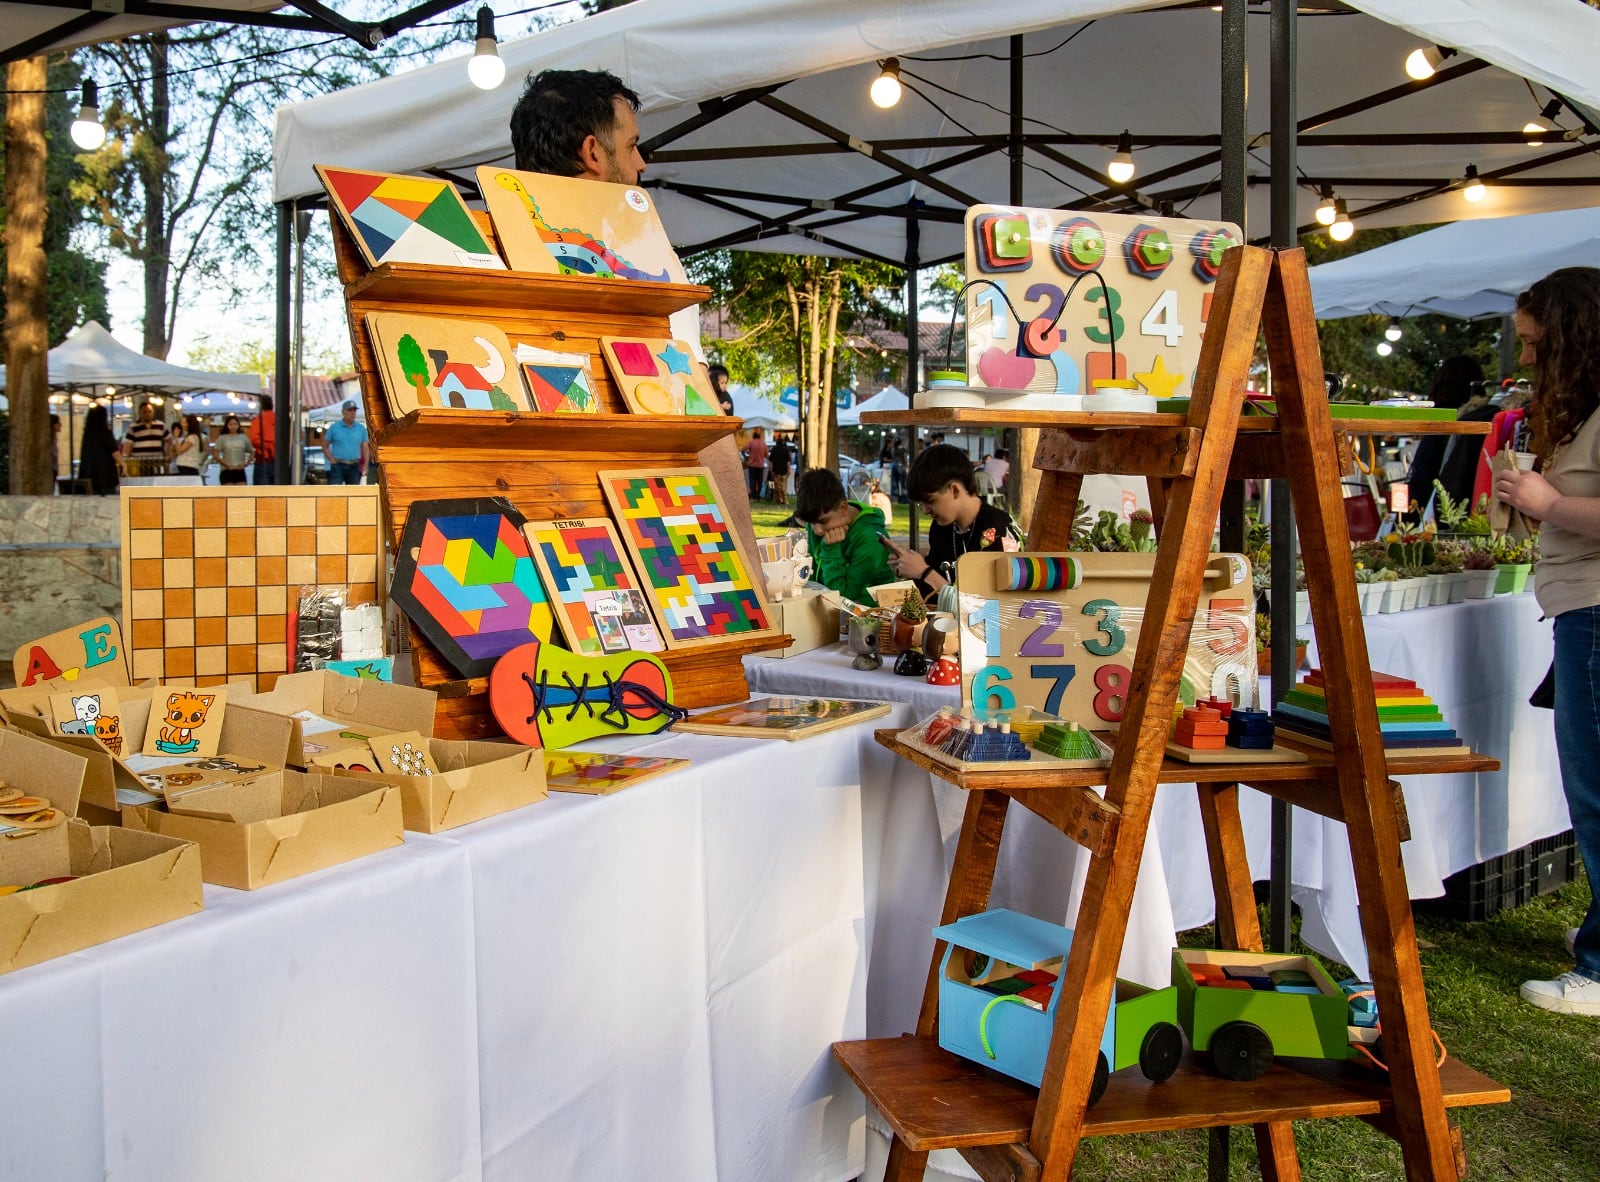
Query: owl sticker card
92,712
185,720
659,377
427,361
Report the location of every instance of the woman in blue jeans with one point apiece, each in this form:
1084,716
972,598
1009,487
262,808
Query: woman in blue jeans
1558,322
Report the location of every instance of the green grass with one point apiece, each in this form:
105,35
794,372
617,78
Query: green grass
1549,1132
768,519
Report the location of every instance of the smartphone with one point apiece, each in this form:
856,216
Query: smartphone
887,544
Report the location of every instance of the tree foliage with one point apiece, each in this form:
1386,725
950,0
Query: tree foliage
258,356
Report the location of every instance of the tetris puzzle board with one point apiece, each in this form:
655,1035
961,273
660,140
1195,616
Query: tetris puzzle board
211,576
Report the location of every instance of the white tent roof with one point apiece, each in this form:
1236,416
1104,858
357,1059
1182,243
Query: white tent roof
757,410
39,25
809,164
91,356
888,398
1465,269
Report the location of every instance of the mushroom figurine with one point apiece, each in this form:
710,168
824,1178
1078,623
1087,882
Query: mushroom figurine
945,671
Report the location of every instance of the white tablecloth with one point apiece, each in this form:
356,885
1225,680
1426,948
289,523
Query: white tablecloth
644,985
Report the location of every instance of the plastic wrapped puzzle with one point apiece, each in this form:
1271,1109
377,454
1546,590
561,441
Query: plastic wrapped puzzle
407,219
599,605
972,740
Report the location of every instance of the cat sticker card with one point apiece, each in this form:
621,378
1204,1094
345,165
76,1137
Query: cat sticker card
428,361
93,712
185,720
659,377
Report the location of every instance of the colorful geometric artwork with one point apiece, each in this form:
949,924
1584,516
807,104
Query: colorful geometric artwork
659,377
695,573
427,361
561,225
559,382
599,605
407,219
544,696
464,575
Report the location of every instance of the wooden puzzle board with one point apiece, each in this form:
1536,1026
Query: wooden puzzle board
211,575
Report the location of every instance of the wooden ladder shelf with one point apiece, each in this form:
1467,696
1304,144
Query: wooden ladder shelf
1006,1130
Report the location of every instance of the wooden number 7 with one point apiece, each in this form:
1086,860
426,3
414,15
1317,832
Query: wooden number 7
1227,615
1062,677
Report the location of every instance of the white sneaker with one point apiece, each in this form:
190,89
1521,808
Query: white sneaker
1572,940
1570,993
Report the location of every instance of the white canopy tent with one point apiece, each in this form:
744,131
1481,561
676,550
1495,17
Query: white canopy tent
757,410
91,357
1466,269
888,398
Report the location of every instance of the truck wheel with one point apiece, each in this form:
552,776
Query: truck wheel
1241,1051
1102,1076
1160,1051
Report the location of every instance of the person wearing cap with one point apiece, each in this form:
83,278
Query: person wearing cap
345,443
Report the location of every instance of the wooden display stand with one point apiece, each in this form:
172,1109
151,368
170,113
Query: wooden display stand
545,464
934,1100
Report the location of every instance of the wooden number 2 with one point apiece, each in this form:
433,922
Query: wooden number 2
1038,642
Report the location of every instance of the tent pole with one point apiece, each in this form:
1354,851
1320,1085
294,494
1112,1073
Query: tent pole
1025,481
1235,181
302,229
283,469
913,337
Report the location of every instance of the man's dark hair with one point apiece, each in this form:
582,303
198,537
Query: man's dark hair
937,466
819,491
558,110
715,368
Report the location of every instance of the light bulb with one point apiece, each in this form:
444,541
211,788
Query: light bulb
1472,188
885,90
1385,348
1421,63
1538,128
486,70
1327,211
86,130
1343,228
1393,331
1121,167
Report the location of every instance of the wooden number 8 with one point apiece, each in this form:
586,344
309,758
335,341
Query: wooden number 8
1112,683
984,688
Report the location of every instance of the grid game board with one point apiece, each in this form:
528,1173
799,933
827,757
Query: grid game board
211,575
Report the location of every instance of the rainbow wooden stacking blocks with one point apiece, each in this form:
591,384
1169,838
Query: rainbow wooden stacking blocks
1410,722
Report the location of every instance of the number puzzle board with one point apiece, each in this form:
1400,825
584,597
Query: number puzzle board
1159,275
1069,651
211,575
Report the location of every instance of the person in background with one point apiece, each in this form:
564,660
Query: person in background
1558,323
779,456
755,463
345,444
144,444
1458,379
843,536
879,500
718,374
263,437
941,481
998,467
188,448
99,460
233,452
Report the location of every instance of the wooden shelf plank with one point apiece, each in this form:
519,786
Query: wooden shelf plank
977,416
442,289
936,1100
557,435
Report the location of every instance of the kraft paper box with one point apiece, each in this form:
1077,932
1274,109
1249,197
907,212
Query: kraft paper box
252,833
475,780
40,768
808,619
127,882
369,707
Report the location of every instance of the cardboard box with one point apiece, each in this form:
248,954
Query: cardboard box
40,768
370,707
275,827
475,780
128,882
808,619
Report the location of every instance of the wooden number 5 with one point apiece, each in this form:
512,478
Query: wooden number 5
1227,615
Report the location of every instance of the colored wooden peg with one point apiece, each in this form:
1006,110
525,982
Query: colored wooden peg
1148,251
1078,246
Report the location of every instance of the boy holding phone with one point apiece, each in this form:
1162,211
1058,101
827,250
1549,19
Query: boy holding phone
846,537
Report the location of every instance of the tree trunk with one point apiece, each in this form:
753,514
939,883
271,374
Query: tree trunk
27,335
830,421
1025,477
153,176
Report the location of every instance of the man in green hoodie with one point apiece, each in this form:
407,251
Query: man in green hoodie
843,535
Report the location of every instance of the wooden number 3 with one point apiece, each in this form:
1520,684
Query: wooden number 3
1115,636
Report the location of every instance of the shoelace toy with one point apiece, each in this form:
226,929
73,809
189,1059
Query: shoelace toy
547,697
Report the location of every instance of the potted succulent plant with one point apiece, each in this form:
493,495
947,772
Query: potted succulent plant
1394,591
1264,646
1449,566
911,614
1479,566
1411,553
1514,559
1371,559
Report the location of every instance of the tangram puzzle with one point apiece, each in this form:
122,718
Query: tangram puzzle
465,576
696,575
563,225
559,382
659,377
407,219
599,606
430,361
211,575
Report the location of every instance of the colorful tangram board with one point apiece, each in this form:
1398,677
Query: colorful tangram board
407,219
210,576
698,578
558,382
430,361
570,226
600,607
1145,324
659,377
465,576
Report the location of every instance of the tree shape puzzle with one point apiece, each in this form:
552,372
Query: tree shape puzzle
659,377
600,607
407,219
429,361
695,573
465,576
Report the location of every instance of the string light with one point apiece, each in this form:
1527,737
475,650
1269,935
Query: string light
1543,125
87,131
885,89
1326,210
1343,228
1121,167
1421,63
486,70
1393,332
1472,188
1385,348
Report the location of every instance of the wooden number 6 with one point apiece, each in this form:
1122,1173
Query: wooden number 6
984,688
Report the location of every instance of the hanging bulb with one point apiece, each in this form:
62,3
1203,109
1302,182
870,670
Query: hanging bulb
1472,188
1538,128
87,131
1326,211
1343,228
885,90
486,70
1421,63
1121,168
1393,331
1385,348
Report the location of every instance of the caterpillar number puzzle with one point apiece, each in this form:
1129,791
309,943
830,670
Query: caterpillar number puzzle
697,577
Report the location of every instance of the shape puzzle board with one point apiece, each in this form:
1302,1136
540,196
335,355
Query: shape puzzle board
1159,275
1069,651
695,572
407,219
432,361
562,225
659,377
210,576
600,607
